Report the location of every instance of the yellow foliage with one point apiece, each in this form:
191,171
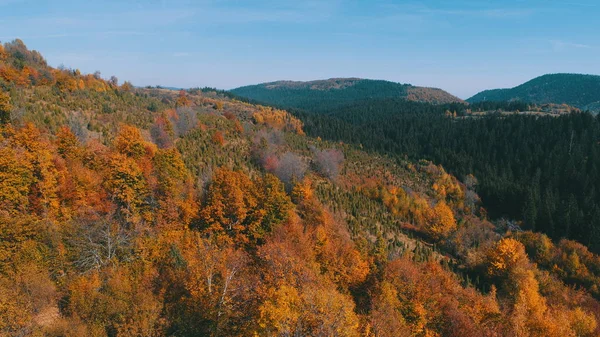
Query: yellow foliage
5,107
303,190
441,222
278,119
126,183
313,310
15,313
129,142
16,177
582,323
505,256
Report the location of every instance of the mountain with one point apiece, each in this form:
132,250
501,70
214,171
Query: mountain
131,211
581,91
324,94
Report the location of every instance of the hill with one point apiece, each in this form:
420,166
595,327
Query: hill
325,94
150,212
581,91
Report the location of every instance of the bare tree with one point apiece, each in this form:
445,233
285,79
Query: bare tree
290,167
113,81
328,162
78,125
185,120
100,242
471,197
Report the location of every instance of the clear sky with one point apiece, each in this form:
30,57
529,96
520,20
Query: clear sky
460,46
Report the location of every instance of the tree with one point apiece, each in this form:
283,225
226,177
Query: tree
184,119
162,132
182,99
16,179
386,319
100,242
113,81
68,144
507,255
241,211
126,184
328,162
441,221
215,297
5,108
290,168
218,138
129,142
127,86
312,311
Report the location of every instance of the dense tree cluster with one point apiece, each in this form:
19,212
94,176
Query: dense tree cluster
576,90
539,169
334,93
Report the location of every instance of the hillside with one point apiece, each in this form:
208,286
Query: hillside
325,94
581,91
150,212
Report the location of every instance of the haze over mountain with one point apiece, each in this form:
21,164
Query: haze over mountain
581,91
324,94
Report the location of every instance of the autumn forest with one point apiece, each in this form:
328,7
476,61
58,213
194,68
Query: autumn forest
129,211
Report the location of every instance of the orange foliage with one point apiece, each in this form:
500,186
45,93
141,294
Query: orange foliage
278,119
5,108
129,142
506,256
182,99
218,138
239,210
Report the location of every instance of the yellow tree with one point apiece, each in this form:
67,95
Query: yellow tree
129,142
126,184
506,256
16,178
441,221
314,310
240,210
176,205
68,145
229,212
5,108
40,153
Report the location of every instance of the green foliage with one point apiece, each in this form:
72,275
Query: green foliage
525,171
328,94
582,91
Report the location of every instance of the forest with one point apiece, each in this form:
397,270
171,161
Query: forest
329,94
581,91
131,211
540,169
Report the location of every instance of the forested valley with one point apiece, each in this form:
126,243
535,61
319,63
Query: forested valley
538,168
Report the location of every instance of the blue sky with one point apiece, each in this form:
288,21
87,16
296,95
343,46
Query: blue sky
460,46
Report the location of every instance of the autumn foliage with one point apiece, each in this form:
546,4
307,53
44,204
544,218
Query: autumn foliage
179,220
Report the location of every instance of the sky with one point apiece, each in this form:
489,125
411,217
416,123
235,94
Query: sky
460,46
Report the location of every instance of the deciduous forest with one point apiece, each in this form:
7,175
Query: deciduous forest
129,211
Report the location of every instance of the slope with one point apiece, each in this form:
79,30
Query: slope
325,94
581,91
208,216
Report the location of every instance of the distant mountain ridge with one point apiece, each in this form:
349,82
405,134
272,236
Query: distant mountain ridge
578,90
325,94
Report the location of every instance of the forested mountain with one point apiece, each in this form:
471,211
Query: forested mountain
581,91
535,164
539,169
150,212
325,94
